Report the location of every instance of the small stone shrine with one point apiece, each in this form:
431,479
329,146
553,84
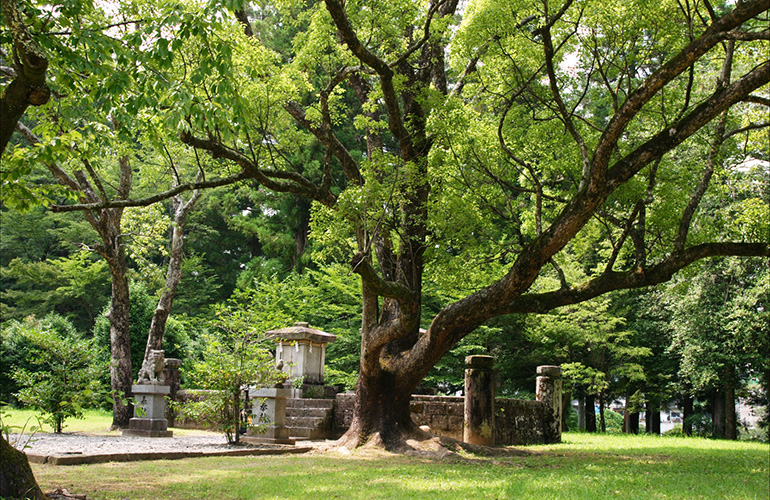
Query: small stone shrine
150,394
302,350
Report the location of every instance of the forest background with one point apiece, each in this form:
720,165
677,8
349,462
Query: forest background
700,339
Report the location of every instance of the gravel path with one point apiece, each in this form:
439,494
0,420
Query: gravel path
78,443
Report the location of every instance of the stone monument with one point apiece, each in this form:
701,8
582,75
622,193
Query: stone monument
268,416
302,350
150,395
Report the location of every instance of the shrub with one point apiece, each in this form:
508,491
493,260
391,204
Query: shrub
62,376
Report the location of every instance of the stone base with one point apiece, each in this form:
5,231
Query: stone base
148,427
266,440
273,434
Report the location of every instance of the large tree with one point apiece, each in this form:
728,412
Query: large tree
527,129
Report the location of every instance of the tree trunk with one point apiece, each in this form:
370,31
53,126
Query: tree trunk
381,414
173,274
581,412
237,417
590,413
28,87
602,422
652,417
121,374
16,478
687,410
718,413
566,409
731,422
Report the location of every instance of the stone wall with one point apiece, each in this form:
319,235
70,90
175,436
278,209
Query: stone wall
184,396
517,422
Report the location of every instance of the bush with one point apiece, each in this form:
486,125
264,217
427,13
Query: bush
60,374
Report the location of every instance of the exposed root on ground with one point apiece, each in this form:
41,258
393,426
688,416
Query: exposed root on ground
62,494
416,443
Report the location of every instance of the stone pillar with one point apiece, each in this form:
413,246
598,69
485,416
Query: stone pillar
149,412
269,410
479,416
548,390
173,380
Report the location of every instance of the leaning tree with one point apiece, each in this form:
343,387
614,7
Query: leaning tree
496,141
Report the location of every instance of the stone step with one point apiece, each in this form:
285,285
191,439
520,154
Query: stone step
309,403
298,433
308,412
314,422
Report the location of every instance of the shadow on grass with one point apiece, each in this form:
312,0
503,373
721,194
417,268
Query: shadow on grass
631,468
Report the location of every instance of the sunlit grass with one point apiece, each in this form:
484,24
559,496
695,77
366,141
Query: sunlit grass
585,466
93,422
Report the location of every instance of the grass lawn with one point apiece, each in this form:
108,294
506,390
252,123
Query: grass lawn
583,467
94,422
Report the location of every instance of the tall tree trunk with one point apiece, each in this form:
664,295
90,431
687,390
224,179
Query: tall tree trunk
718,413
630,419
121,374
566,409
16,478
687,411
590,413
602,422
652,417
731,421
656,417
581,412
173,274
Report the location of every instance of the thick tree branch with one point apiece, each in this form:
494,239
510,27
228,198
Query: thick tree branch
647,90
143,202
328,139
296,184
392,289
395,121
666,140
611,281
28,88
756,99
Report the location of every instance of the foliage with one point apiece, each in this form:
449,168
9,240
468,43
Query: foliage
62,374
235,357
176,340
22,434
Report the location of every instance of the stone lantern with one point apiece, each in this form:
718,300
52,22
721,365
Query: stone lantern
302,350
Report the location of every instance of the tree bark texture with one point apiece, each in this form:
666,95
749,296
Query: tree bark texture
173,274
731,421
566,408
121,372
687,412
590,413
28,87
718,413
16,478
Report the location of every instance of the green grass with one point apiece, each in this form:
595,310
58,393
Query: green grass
93,422
583,467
